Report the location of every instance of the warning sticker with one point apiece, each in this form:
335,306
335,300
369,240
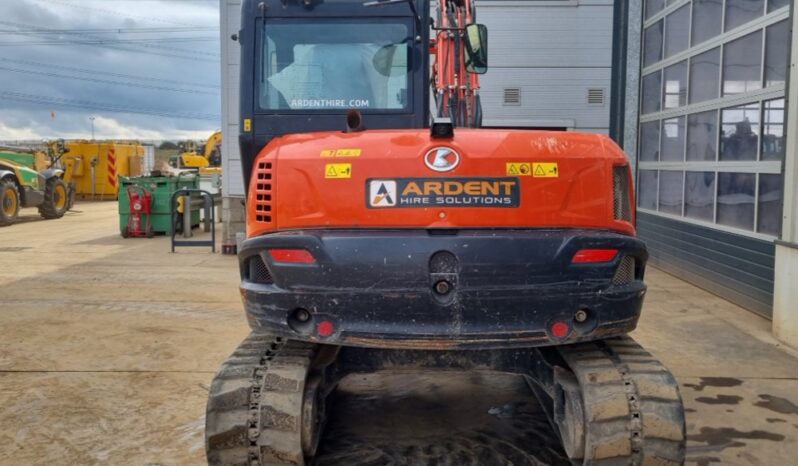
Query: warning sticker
338,170
329,153
247,125
443,192
545,170
519,168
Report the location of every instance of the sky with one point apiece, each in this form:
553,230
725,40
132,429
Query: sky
143,69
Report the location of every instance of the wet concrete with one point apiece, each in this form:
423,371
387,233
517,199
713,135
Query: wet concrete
108,346
720,400
714,382
777,404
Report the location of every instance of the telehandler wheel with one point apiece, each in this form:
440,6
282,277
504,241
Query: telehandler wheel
9,202
56,199
72,193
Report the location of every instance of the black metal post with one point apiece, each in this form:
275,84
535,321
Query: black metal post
620,38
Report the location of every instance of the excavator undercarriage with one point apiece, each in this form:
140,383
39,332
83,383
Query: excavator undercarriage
610,401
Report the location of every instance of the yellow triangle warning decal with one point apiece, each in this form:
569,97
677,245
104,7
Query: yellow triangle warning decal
338,170
545,170
519,168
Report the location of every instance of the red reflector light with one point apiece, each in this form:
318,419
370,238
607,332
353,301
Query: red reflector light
594,255
325,328
296,256
560,329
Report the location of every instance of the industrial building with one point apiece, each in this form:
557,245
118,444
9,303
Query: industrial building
711,142
715,173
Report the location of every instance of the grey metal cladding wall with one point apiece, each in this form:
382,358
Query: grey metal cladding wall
735,267
548,36
549,97
554,52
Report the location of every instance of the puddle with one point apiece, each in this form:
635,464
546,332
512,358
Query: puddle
714,382
728,437
720,400
703,460
777,404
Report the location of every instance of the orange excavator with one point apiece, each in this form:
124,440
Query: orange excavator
382,237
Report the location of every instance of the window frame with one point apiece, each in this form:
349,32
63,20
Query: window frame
759,97
260,38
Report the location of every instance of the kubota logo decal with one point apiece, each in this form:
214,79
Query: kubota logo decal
382,193
442,159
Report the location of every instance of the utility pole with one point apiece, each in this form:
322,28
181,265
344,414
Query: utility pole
92,127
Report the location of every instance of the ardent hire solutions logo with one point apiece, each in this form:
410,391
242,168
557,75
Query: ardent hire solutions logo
382,193
442,159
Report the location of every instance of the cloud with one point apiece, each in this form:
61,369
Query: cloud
114,127
25,133
192,67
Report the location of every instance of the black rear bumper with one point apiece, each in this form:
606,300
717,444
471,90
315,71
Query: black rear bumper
506,288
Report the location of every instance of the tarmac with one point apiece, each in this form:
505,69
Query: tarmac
107,348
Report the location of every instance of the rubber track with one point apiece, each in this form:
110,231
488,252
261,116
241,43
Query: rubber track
254,410
632,406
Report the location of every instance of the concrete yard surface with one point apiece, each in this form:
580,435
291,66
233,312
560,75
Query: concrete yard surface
108,346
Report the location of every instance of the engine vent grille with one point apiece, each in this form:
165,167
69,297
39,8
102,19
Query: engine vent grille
512,96
620,189
258,272
595,96
263,192
625,273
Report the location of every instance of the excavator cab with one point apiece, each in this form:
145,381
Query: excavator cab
306,64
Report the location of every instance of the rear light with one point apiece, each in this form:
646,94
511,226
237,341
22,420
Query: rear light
560,329
325,328
294,256
584,256
621,193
